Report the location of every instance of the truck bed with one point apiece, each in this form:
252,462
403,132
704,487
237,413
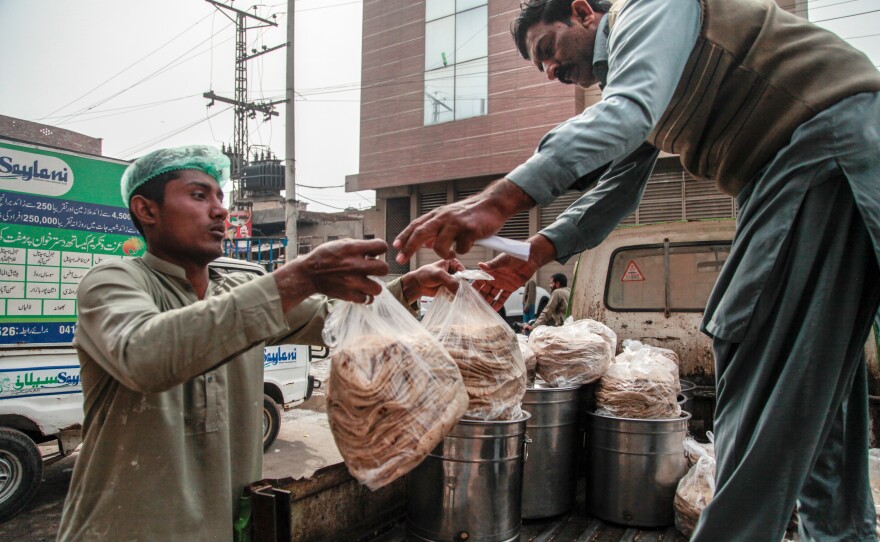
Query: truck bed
332,506
577,526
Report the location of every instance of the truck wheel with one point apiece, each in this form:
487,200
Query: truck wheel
271,421
21,469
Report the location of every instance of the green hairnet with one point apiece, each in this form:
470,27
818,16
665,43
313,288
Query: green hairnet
200,157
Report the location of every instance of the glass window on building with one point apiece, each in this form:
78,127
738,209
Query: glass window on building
456,60
673,278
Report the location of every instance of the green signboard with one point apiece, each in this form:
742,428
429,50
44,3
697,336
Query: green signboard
61,213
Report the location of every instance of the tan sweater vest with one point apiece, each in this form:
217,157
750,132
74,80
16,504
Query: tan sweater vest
755,74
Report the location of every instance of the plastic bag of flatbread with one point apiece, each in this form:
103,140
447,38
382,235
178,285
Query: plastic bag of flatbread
642,382
528,355
695,489
693,450
393,391
874,480
574,353
483,346
630,346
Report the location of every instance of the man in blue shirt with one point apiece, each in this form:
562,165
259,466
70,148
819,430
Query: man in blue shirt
780,114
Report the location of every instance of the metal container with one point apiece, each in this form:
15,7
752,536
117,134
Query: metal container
686,397
550,474
470,486
634,468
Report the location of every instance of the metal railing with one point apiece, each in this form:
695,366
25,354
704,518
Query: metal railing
269,252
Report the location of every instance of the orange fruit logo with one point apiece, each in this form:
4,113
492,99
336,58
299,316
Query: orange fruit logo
132,246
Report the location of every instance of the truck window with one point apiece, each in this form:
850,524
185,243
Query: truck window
657,278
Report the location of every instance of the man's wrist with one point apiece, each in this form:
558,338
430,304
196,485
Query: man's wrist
542,250
293,285
409,288
508,197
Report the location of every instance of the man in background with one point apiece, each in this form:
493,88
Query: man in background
554,313
529,294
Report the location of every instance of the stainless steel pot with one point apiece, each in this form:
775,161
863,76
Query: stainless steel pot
634,468
470,486
550,475
686,397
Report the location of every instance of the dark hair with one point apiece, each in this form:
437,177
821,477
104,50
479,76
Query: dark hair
560,278
153,190
545,11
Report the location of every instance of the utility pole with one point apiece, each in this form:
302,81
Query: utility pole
290,210
243,109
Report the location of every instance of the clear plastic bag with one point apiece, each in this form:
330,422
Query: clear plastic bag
483,346
693,450
642,382
393,391
632,345
696,489
575,353
528,358
527,353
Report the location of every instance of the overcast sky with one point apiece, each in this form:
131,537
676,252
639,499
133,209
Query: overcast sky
133,72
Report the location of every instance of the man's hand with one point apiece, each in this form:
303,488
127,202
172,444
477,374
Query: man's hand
510,273
426,280
339,269
452,229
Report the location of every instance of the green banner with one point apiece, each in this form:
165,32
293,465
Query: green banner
61,214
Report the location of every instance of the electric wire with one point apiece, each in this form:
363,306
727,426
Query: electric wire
135,149
173,63
298,195
128,108
151,53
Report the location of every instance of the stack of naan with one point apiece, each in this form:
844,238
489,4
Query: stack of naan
390,401
641,383
573,354
491,366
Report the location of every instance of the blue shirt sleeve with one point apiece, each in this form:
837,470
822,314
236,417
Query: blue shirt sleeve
589,220
648,49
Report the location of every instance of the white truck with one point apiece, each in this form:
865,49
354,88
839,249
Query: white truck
652,282
60,214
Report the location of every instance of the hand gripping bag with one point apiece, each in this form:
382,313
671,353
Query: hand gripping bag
393,391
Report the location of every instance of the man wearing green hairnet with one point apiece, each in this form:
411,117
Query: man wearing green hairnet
171,356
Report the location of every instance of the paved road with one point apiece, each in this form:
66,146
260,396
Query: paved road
304,445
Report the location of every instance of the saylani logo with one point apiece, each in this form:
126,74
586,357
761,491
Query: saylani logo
132,246
31,173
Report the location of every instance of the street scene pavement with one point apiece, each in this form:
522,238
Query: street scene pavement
304,445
